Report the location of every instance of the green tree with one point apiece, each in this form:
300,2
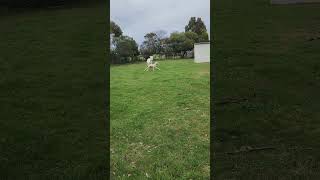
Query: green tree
191,25
151,45
115,29
180,42
197,26
126,50
203,37
167,49
192,35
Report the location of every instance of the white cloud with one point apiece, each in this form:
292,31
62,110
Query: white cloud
138,17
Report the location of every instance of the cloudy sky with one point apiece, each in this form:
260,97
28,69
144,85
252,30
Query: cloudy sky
138,17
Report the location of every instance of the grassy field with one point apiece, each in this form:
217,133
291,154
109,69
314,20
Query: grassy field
160,121
53,94
267,73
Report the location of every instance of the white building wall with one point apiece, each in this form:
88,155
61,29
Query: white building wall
202,52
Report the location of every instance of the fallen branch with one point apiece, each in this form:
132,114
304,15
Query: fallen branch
297,148
314,38
231,100
250,149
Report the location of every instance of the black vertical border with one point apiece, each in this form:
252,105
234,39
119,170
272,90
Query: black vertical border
212,92
107,84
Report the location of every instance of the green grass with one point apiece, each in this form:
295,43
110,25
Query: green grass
53,94
160,121
268,60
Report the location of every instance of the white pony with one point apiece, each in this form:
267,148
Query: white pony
150,60
150,64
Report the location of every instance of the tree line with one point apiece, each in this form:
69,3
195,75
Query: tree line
124,49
